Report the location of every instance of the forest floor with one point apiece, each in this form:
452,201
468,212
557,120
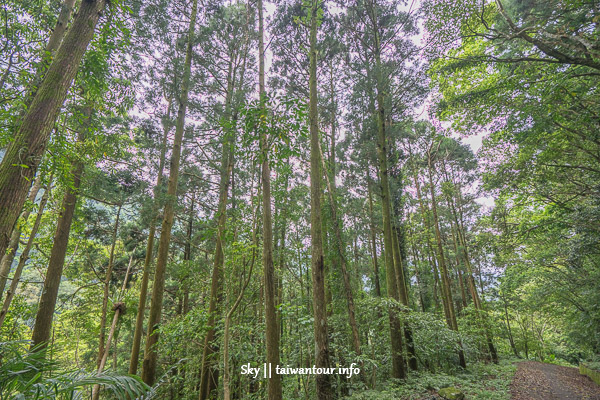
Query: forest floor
538,381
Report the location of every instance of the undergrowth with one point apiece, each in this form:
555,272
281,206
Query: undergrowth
479,381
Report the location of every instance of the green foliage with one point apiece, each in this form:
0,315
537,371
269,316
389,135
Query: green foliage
24,375
480,381
283,121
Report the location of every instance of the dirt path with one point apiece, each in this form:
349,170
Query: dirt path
538,381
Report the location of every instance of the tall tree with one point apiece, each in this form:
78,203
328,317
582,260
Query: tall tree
20,163
272,334
43,320
150,353
446,290
324,390
139,321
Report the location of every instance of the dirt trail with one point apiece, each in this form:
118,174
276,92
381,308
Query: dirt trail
538,381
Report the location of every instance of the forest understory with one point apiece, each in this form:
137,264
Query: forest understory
299,199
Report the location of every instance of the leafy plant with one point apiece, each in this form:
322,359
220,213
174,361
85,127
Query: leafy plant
27,374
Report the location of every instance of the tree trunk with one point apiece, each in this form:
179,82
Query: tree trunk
373,240
323,382
9,256
10,294
139,322
45,313
209,374
107,279
431,254
271,334
119,309
343,262
447,294
398,367
510,335
20,163
226,335
150,352
460,232
403,294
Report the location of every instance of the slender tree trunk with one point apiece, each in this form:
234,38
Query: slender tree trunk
20,163
106,293
61,26
343,262
10,294
226,334
463,294
45,313
460,233
427,223
451,316
510,335
272,334
150,352
398,363
119,309
323,382
209,374
139,322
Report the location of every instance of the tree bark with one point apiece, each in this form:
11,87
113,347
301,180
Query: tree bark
9,256
323,382
106,288
343,262
139,322
150,353
226,335
10,294
447,296
271,334
460,232
209,374
21,161
119,310
45,313
403,295
373,240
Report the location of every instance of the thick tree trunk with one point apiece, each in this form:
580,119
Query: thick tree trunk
373,240
20,163
324,390
398,363
139,322
10,294
45,313
403,294
9,256
150,352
